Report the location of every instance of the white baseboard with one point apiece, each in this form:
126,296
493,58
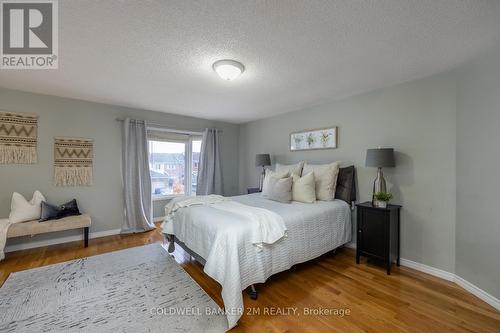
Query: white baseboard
473,289
478,292
428,269
60,240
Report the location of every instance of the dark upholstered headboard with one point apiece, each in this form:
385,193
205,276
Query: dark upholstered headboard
346,184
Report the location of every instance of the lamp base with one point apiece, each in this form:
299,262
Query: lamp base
262,176
378,185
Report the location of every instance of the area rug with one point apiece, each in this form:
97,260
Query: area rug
18,138
140,289
73,161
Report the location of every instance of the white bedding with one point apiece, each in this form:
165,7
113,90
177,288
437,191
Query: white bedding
222,239
264,227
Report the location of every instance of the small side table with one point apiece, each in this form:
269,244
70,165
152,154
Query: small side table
251,190
378,233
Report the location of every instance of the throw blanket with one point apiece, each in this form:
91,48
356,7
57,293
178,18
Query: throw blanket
4,227
181,202
268,227
185,201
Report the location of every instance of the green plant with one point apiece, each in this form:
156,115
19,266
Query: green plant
383,196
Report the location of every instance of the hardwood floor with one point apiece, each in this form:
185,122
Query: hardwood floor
405,301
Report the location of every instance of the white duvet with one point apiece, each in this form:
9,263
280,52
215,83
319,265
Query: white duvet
225,239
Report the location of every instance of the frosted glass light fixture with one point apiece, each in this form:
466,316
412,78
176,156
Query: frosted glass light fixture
228,69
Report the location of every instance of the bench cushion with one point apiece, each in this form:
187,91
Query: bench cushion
35,227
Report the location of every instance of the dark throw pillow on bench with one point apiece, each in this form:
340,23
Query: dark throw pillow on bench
52,212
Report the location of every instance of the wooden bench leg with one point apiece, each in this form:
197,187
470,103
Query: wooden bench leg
86,236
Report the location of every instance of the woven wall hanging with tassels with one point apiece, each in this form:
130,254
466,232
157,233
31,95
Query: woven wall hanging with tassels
18,138
73,161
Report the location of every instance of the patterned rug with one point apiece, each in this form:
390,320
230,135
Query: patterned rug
140,289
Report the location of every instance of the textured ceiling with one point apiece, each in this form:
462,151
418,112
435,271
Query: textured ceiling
158,54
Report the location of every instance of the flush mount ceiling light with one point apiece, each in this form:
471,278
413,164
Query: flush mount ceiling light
228,69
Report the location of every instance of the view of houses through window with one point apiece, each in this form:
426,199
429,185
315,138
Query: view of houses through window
170,162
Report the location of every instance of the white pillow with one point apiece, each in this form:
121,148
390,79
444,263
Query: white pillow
280,189
269,174
292,169
21,210
325,177
304,188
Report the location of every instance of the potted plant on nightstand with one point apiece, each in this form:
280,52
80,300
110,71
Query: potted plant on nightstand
381,199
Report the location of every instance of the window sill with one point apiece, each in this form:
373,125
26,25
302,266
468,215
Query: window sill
166,197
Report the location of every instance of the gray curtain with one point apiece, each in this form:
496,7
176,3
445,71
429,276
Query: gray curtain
210,171
136,177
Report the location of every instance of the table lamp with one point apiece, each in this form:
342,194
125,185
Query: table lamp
379,158
262,160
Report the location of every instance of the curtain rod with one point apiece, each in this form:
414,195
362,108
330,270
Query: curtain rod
161,127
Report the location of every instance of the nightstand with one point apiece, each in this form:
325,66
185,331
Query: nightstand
378,233
251,190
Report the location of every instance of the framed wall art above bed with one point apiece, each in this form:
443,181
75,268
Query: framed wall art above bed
322,138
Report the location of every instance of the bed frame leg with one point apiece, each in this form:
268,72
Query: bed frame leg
252,292
171,244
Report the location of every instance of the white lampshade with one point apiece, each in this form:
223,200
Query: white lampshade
228,69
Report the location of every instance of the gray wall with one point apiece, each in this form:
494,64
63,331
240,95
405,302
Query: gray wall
418,119
68,117
478,181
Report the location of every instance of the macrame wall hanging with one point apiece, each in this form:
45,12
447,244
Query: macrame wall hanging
18,138
73,161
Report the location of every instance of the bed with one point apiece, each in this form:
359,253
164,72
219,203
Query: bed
218,240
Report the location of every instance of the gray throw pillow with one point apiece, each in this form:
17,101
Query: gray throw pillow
280,189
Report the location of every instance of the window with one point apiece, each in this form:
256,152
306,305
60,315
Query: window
172,156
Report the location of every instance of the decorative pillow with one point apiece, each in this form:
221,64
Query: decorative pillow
269,174
325,176
292,169
304,188
49,212
52,212
346,184
70,208
280,189
21,210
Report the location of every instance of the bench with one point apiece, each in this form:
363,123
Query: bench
31,228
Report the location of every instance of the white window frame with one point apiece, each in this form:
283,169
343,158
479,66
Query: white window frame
188,162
